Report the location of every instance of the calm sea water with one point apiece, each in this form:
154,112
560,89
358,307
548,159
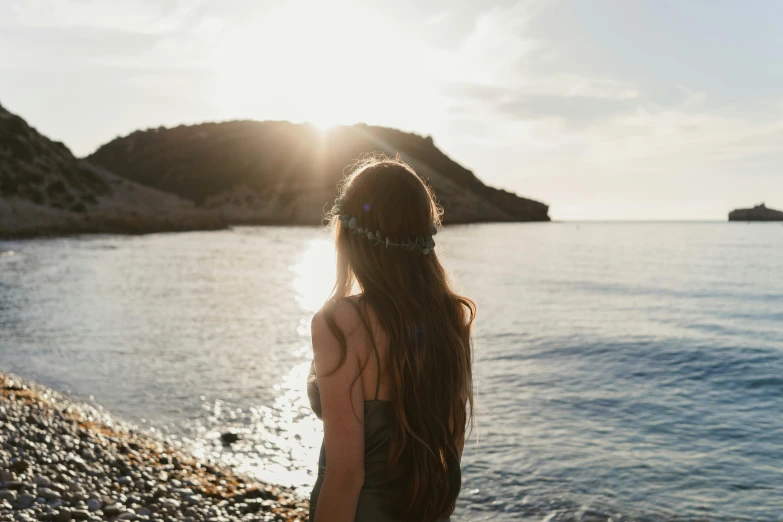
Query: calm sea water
627,372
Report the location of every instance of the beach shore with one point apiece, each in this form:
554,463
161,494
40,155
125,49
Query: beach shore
63,460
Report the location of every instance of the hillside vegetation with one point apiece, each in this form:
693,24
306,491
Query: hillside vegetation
284,172
45,190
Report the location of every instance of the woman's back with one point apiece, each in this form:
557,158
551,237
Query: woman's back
377,499
393,381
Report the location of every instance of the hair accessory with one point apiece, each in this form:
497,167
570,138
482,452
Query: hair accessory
423,244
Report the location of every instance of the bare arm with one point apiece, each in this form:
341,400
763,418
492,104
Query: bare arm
342,401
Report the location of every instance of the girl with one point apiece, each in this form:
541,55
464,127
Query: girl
392,376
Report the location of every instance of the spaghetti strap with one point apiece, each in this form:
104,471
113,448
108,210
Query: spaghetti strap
378,377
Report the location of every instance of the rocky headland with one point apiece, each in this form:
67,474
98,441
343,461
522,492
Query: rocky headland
281,172
215,175
757,213
61,460
45,190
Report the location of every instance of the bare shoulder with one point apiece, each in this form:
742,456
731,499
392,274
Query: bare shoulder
341,314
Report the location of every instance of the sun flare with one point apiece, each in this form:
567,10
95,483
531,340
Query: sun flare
339,64
323,124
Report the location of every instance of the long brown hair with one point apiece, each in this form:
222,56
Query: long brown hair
428,326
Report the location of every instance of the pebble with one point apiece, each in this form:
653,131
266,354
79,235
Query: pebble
42,481
112,510
48,494
24,501
20,466
67,461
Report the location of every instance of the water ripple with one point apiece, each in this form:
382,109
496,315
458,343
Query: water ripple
626,372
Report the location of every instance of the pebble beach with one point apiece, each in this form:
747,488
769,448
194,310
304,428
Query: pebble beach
63,460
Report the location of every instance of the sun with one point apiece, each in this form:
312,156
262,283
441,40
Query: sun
323,124
339,65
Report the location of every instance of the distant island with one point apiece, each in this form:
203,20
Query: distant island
214,175
757,213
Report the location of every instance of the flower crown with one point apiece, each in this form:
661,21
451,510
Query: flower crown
423,244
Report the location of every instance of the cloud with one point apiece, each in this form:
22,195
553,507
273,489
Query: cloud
439,18
72,35
511,85
132,16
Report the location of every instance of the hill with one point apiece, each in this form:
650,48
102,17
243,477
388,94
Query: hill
45,190
757,213
281,172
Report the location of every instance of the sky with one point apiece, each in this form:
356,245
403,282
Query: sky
603,109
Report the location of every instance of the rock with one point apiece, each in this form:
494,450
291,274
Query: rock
20,466
48,494
124,481
113,510
757,213
230,437
7,475
127,516
93,504
9,495
63,515
42,481
24,501
79,514
59,488
170,502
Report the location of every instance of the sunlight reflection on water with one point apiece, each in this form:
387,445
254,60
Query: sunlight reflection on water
291,434
314,274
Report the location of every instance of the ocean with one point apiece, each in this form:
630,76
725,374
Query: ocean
625,371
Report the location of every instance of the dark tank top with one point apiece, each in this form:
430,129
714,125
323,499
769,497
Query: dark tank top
377,497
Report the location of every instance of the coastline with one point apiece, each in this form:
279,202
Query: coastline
63,460
205,223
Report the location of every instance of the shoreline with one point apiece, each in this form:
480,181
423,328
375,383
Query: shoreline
61,232
63,460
